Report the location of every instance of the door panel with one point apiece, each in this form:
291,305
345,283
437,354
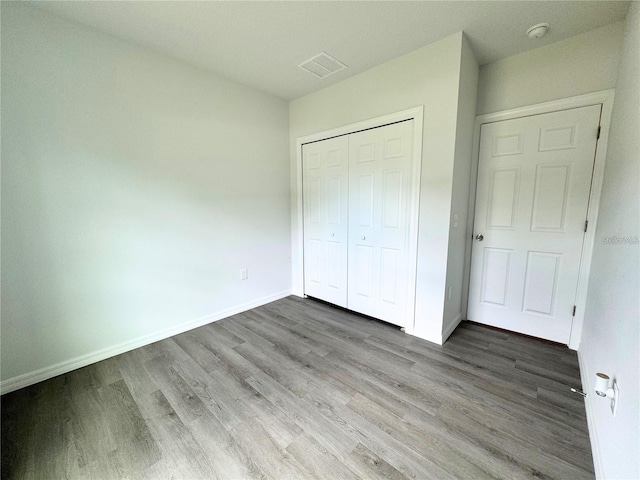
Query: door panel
534,179
380,162
335,208
495,275
325,197
312,265
361,277
392,199
503,198
541,280
389,264
312,200
364,199
334,268
550,198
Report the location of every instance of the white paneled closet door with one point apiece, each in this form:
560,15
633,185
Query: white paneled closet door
356,194
380,165
325,197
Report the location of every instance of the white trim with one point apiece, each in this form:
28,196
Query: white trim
410,114
416,114
45,373
604,98
578,101
591,421
433,339
592,217
452,326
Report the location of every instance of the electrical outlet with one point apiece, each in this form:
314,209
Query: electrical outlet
614,400
244,274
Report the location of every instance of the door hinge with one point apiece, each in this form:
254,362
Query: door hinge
574,311
586,224
599,129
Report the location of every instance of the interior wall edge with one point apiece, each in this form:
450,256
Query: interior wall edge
591,421
45,373
449,327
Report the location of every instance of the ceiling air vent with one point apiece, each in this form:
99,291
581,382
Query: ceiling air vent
322,65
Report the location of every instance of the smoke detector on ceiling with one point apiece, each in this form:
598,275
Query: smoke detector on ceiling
322,65
538,30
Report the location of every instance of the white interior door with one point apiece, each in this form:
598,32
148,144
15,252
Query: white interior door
380,163
534,179
325,197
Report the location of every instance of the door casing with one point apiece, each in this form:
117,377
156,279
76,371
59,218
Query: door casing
604,98
415,114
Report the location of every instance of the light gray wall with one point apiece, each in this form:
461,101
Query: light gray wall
459,236
134,189
428,76
611,332
582,64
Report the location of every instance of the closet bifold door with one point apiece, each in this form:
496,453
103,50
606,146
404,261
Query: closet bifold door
325,211
380,163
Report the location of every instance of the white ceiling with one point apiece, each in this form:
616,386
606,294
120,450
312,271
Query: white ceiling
260,44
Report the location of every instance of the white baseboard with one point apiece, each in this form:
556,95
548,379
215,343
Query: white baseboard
424,334
24,380
452,326
439,339
591,423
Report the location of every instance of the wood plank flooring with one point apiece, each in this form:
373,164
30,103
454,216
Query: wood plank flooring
298,389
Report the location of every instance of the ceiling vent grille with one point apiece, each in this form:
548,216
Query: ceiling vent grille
322,65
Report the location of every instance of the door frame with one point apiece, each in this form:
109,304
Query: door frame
605,99
416,114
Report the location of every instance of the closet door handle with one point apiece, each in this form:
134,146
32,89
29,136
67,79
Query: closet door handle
363,237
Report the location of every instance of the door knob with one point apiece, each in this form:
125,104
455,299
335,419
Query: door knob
332,234
364,238
479,237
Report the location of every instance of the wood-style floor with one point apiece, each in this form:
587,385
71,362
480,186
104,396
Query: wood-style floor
299,389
